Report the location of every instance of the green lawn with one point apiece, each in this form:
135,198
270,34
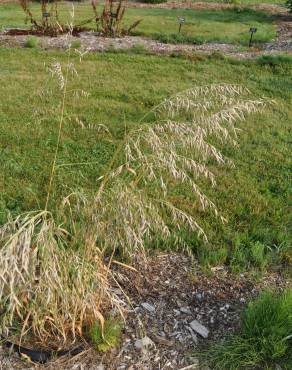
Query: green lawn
253,196
231,26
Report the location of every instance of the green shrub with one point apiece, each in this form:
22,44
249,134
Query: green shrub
110,336
265,337
31,42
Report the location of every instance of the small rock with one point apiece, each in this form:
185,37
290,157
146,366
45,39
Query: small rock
199,296
100,367
143,343
148,307
186,310
199,328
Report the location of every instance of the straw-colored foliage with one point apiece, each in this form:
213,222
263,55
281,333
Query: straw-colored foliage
46,286
53,281
132,202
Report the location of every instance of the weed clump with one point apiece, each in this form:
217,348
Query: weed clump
32,42
264,339
106,337
179,38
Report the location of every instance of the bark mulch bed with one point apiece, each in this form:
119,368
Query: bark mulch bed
166,296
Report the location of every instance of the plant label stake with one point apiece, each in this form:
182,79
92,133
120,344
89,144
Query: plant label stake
252,30
46,15
181,21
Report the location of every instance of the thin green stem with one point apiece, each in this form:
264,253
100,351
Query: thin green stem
60,128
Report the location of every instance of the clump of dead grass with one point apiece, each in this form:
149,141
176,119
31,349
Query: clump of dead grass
134,199
52,289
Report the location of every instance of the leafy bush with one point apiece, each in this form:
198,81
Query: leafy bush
264,339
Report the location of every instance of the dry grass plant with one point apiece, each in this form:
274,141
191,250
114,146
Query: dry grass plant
157,157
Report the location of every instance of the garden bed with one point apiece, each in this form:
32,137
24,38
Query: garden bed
93,42
166,296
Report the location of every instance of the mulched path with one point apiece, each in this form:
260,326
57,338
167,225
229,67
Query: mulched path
93,42
166,295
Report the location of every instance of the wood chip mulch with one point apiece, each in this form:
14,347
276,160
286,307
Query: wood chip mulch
166,296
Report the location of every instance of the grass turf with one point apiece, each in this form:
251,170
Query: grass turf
230,26
253,196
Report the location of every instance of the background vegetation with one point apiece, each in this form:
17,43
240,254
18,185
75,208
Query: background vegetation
230,25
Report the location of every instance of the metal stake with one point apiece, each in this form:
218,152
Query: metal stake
252,31
181,21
